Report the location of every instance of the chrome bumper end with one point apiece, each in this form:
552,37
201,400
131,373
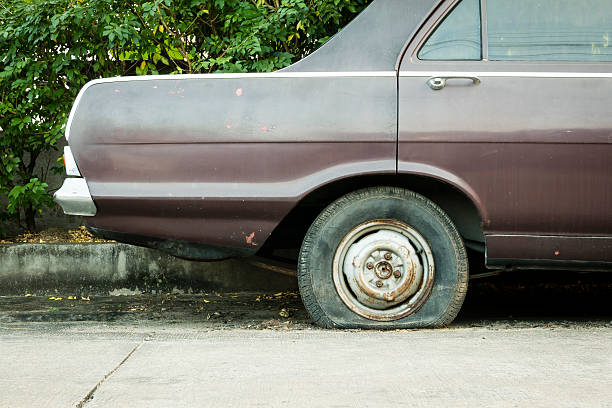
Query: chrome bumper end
74,197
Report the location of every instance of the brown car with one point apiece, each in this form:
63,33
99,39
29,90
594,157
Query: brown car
423,128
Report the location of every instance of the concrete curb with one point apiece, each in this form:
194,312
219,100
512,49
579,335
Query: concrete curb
104,268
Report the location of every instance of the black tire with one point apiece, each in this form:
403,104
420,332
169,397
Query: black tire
319,294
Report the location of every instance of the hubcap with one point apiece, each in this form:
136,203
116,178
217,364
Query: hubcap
383,270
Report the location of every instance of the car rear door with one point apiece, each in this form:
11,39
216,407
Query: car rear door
516,110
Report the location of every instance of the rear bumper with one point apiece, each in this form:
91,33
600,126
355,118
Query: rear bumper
74,198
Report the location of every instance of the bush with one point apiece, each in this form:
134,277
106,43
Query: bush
50,48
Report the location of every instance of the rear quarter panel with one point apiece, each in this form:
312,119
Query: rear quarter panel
221,160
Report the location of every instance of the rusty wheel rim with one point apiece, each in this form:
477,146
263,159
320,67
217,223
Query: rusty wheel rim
383,270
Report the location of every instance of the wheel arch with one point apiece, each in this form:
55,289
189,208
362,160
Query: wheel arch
448,191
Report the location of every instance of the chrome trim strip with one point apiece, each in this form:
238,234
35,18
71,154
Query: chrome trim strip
276,74
548,236
517,74
74,198
71,166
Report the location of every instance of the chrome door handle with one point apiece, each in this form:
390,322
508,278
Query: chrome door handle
437,83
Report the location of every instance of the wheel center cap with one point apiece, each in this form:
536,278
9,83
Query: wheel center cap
383,270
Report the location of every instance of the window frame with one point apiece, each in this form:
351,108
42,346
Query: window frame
484,33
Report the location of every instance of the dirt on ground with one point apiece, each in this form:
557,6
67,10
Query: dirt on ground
54,236
521,300
215,310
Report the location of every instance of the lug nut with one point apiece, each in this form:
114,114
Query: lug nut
379,284
397,274
388,256
370,265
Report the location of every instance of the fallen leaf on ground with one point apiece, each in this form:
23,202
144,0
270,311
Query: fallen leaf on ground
55,235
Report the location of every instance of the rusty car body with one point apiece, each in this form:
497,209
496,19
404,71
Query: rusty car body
517,152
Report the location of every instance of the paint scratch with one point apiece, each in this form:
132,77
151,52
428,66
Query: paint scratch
250,239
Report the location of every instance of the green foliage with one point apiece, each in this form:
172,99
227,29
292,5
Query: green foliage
50,48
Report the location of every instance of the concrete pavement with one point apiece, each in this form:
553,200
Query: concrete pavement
185,365
54,371
520,340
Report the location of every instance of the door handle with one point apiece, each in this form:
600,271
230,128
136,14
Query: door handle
437,83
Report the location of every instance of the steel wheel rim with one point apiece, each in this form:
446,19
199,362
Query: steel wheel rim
359,237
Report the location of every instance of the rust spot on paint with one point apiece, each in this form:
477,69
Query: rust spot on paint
228,126
250,239
239,92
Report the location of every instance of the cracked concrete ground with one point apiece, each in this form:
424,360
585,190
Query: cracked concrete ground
516,342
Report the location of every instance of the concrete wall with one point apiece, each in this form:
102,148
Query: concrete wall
106,267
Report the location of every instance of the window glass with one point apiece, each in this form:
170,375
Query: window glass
457,37
549,30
